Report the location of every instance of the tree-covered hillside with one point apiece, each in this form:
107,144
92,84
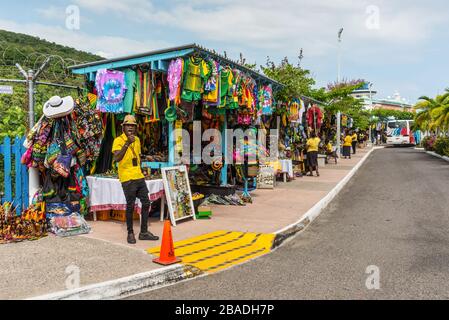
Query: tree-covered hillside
30,52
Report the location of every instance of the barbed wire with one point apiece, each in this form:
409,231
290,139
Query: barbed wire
56,70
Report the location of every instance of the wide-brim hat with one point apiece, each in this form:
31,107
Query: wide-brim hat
170,114
129,119
57,107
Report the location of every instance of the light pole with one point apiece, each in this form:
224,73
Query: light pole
371,108
338,81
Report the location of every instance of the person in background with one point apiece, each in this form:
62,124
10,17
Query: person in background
312,153
330,151
347,146
126,150
354,142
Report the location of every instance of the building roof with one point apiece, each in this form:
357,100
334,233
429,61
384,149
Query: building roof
159,60
392,103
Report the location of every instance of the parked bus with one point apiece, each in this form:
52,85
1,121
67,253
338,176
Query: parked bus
399,132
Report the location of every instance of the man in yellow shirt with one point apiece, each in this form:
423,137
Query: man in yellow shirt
126,150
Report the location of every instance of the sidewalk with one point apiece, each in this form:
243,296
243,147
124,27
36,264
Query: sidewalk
36,268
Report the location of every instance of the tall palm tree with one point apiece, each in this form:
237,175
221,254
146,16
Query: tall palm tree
440,113
432,114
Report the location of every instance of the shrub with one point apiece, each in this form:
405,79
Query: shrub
441,146
428,143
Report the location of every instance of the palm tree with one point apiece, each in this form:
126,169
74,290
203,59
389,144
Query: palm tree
440,113
432,114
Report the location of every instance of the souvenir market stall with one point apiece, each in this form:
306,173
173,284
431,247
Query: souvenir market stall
167,90
298,118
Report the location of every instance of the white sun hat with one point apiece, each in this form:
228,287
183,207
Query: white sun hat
57,107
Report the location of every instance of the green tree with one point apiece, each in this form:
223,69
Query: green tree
296,81
432,113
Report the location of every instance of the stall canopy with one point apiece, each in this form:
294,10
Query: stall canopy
160,59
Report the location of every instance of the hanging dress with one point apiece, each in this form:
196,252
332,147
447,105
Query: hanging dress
174,78
314,117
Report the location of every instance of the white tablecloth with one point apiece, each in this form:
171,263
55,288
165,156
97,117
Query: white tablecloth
287,166
107,193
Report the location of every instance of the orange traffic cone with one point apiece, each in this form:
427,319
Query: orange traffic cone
167,254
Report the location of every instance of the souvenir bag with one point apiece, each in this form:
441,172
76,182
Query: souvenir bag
26,157
40,143
69,139
32,134
63,161
53,149
49,189
64,220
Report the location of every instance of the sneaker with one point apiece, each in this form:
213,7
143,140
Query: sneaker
147,236
131,239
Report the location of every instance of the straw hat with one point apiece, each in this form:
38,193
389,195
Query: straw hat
129,119
57,107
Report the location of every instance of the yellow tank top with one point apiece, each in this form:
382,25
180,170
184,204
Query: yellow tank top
193,76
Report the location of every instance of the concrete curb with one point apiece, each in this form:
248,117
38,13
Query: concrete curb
123,287
445,158
147,281
299,226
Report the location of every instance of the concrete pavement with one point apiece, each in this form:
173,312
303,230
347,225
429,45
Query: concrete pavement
36,268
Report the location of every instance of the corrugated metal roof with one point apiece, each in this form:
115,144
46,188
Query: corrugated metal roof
193,46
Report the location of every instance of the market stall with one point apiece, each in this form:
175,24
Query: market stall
171,89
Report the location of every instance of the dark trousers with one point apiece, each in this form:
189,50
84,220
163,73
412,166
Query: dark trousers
354,146
136,189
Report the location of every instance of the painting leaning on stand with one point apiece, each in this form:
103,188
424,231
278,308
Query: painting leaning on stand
126,150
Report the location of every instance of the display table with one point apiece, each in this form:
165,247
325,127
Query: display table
286,168
107,194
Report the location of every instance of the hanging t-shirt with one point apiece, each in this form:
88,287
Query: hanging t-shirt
110,85
130,81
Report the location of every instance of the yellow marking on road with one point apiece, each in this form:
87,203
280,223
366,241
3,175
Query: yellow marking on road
220,249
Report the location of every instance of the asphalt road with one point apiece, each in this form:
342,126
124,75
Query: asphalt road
394,215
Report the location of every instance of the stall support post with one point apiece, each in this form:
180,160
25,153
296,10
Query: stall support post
224,138
339,133
171,144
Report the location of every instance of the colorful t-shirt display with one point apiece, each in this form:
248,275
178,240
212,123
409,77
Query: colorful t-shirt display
111,88
174,78
130,81
193,79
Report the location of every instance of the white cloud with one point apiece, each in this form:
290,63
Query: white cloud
52,13
106,46
281,26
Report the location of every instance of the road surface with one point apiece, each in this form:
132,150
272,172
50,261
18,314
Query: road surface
388,228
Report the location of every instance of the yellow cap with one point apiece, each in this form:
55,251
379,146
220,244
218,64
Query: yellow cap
129,119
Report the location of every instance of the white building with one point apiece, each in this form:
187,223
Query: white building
390,103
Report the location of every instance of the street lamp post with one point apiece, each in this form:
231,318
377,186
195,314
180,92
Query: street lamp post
338,81
371,108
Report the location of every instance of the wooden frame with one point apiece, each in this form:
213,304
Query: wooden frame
266,179
171,194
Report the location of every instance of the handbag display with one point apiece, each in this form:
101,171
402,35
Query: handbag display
26,157
63,161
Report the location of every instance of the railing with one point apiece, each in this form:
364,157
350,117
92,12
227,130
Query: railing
14,171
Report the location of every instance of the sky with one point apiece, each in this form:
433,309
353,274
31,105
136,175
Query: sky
397,45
